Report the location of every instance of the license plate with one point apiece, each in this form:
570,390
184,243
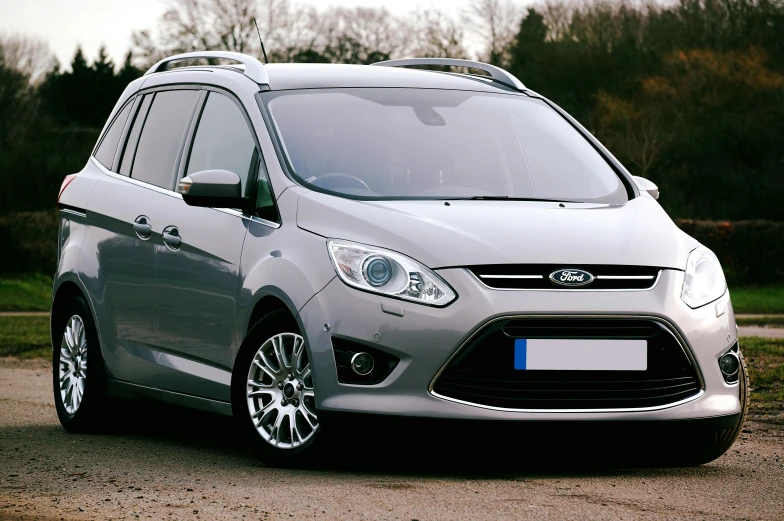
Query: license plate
547,354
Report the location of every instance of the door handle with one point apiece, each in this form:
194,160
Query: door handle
142,227
171,237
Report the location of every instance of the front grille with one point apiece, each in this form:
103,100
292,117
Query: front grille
537,276
483,371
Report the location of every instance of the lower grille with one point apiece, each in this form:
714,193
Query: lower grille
483,373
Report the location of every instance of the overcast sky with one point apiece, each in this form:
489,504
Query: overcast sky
65,24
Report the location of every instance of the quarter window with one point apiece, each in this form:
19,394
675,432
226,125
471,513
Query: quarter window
162,137
126,162
108,146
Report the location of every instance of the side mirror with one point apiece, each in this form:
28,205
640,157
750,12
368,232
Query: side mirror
213,188
646,186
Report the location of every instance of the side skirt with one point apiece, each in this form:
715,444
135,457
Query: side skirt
127,390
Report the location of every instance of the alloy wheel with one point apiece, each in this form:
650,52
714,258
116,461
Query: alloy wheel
73,364
280,394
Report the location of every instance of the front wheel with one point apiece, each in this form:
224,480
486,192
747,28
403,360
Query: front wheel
709,444
272,393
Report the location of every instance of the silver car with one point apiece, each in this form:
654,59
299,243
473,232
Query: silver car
285,243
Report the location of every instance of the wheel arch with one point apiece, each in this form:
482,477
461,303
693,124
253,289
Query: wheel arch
267,302
65,290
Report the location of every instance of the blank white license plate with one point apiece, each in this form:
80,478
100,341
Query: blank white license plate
547,354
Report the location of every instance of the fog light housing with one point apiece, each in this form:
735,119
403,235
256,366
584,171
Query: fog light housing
729,365
362,364
346,352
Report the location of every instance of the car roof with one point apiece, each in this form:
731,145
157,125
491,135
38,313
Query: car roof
284,76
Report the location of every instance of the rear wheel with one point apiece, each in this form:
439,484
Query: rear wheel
79,391
272,393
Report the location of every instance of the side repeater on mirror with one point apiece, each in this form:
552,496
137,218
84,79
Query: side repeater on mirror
213,188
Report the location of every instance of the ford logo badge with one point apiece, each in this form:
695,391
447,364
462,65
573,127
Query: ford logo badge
571,277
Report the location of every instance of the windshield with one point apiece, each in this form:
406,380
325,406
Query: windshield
391,143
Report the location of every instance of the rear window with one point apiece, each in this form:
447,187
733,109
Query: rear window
426,143
162,136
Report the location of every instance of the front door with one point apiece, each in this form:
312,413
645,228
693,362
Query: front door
198,261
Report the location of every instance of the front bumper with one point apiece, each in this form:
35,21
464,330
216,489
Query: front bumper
424,338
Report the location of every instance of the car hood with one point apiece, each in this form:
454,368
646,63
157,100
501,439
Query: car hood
466,233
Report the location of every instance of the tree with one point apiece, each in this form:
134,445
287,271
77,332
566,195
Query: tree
495,22
203,25
29,57
433,34
295,32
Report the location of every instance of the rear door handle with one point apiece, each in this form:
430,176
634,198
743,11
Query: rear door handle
171,237
142,227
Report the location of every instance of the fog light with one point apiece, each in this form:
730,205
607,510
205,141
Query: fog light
729,364
362,364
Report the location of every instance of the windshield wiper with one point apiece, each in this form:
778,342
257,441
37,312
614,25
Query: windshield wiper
507,198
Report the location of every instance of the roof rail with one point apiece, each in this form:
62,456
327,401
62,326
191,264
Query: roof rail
254,69
498,74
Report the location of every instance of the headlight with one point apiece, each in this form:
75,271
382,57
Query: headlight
388,273
704,280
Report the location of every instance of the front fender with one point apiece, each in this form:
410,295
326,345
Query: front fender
288,263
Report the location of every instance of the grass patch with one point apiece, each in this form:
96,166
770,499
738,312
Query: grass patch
25,337
26,293
758,300
765,360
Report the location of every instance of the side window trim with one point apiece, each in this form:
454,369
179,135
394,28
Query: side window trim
143,110
261,162
187,140
185,151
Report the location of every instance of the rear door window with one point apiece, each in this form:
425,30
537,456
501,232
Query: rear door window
108,146
162,137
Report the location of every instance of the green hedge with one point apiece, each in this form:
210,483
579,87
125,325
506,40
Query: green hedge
28,243
751,252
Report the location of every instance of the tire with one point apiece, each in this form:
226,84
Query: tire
279,397
710,444
79,392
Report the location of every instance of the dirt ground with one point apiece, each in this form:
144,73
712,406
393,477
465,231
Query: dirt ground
173,464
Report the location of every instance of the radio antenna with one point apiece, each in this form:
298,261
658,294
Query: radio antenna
266,60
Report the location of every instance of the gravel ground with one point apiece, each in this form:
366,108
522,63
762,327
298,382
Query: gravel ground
173,464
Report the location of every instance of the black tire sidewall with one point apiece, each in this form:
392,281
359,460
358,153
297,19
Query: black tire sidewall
716,441
307,454
86,418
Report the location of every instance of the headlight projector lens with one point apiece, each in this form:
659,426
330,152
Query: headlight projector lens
378,271
362,364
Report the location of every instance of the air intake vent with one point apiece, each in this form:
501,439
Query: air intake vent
549,276
483,372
